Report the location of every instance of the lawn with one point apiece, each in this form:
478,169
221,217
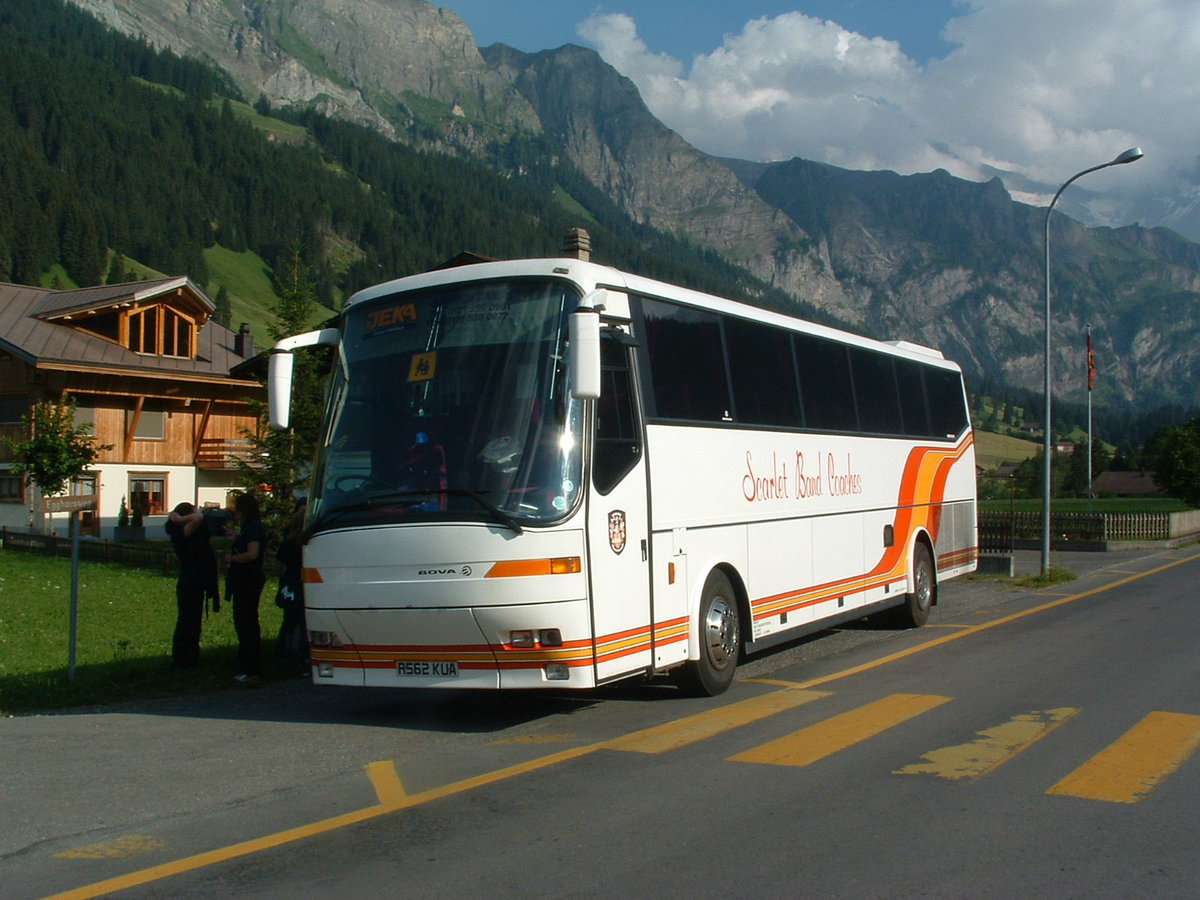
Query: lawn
123,646
992,449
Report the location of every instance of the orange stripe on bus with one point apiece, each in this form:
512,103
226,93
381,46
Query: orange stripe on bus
919,504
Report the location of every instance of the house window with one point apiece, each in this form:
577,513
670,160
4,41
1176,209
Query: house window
148,493
151,424
85,416
161,331
12,488
12,407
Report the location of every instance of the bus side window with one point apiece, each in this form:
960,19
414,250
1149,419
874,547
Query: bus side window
618,444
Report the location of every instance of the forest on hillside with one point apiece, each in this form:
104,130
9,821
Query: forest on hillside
109,145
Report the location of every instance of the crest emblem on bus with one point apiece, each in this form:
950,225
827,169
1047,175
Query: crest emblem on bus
616,530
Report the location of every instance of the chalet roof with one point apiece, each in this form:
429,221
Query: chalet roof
1127,484
107,296
33,327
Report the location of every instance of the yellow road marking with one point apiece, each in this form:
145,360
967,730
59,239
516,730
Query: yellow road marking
824,738
1131,767
682,732
122,847
266,842
972,630
386,780
994,747
280,838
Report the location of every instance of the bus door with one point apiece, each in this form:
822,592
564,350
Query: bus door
618,521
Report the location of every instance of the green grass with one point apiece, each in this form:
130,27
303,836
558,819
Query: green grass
123,647
251,294
1047,579
992,449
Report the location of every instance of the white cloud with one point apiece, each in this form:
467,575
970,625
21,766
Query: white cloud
1033,90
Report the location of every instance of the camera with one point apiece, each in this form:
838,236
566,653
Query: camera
216,518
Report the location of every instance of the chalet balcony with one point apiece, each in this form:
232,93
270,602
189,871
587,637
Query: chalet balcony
224,453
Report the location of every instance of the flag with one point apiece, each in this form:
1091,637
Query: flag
1091,363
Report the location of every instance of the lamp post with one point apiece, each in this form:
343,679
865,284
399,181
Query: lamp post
1131,155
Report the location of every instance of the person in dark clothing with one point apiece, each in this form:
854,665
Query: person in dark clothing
244,586
197,581
293,637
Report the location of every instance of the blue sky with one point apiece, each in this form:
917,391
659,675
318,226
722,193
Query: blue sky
684,28
1030,91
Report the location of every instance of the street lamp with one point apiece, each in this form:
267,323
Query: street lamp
1131,155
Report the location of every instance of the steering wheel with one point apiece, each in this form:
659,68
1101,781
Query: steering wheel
354,481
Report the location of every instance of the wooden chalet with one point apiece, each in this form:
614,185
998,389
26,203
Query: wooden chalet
160,381
1126,484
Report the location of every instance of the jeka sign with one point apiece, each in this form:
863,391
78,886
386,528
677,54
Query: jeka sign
818,475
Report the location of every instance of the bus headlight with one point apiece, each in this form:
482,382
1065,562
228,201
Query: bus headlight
324,639
557,672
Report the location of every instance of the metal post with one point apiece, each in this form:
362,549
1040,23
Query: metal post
74,514
1130,155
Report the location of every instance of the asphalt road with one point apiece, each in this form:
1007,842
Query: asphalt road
1024,743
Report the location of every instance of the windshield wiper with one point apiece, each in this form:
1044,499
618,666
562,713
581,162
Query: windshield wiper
381,499
386,498
505,518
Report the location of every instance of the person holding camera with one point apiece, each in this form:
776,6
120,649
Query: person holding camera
244,586
197,581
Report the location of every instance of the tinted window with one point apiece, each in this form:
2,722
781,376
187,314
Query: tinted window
825,384
911,388
618,438
875,390
762,374
946,409
687,363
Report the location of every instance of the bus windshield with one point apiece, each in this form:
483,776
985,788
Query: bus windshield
452,403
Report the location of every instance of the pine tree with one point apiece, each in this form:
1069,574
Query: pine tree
116,271
282,459
223,314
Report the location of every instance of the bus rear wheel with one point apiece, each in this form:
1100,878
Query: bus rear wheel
914,611
720,640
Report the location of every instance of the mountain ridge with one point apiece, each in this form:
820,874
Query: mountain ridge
928,257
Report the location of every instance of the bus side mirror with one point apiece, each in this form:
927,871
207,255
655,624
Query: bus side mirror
279,388
279,373
584,333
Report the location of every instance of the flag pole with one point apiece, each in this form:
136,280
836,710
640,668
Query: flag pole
1091,379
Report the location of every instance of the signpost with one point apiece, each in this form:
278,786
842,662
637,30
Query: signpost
74,506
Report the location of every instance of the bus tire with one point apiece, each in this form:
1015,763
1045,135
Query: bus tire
720,640
914,611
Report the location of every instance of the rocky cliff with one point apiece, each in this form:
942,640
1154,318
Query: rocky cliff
928,258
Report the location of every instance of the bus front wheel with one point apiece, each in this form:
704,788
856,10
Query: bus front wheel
720,640
914,611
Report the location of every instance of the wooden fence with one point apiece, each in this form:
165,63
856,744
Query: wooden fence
999,531
158,556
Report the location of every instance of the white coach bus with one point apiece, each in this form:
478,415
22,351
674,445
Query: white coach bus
550,473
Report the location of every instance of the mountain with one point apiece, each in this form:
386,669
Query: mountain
927,258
